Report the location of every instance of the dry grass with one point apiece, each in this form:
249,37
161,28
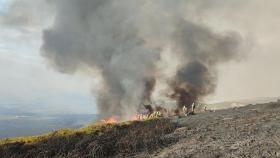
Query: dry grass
99,140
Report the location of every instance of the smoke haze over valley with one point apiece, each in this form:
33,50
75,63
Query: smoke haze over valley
109,57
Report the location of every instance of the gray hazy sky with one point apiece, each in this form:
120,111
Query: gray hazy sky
25,75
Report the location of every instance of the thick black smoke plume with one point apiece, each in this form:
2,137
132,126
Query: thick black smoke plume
124,43
201,50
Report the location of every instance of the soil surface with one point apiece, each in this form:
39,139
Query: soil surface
250,131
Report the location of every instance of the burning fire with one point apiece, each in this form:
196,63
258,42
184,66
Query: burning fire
150,113
110,120
116,119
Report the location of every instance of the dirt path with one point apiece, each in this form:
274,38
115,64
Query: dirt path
251,131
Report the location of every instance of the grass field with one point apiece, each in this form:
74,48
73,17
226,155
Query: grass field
99,140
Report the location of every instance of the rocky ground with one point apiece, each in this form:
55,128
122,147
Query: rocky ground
250,131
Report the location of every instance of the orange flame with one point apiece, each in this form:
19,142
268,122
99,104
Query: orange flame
110,120
116,119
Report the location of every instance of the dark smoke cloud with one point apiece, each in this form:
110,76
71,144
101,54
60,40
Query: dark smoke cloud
202,50
148,89
124,41
102,35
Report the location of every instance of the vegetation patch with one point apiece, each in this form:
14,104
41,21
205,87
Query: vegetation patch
98,140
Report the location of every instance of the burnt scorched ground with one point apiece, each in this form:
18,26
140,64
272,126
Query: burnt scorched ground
251,131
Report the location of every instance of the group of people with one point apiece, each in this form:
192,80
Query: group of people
151,112
189,110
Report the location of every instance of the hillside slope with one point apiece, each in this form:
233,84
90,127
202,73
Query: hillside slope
250,131
242,102
98,140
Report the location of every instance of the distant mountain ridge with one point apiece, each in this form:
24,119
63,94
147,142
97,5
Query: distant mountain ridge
242,102
6,110
25,125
